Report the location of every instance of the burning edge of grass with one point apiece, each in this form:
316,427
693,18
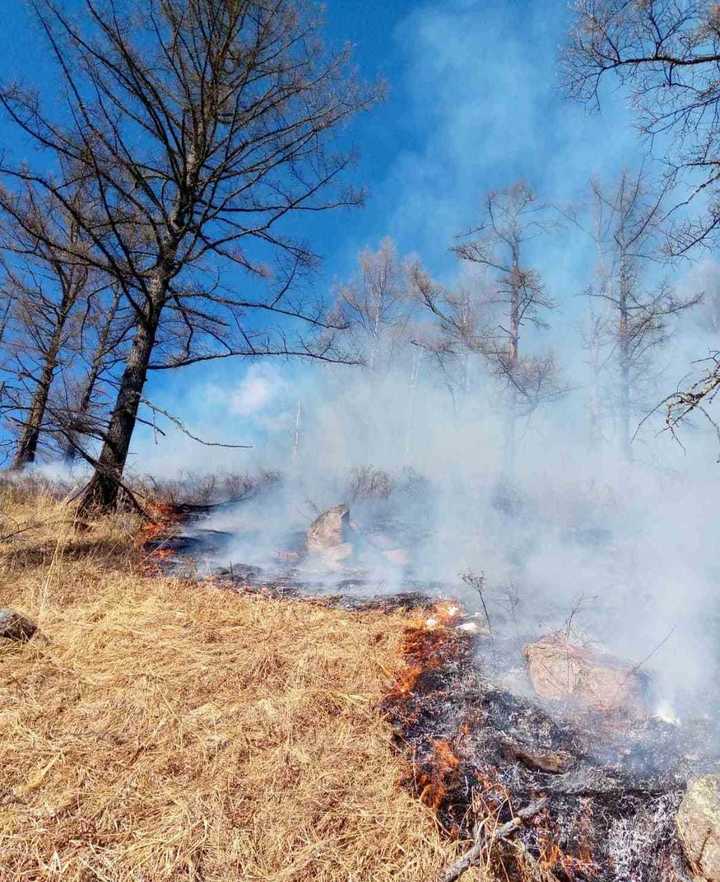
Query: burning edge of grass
439,648
435,651
165,731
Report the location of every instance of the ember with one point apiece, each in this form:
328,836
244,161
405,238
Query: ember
441,777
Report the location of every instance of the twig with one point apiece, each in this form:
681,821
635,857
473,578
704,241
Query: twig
471,857
636,667
478,583
23,528
539,874
580,605
178,423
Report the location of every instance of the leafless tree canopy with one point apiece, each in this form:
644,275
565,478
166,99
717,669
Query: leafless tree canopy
499,245
199,127
667,55
53,304
636,302
375,306
166,220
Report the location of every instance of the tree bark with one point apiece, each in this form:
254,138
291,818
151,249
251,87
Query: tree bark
30,437
96,368
101,494
72,283
70,446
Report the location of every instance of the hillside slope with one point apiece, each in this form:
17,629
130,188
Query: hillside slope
168,731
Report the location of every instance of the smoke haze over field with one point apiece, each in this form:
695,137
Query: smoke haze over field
631,548
473,106
572,523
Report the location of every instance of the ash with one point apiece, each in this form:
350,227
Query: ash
613,782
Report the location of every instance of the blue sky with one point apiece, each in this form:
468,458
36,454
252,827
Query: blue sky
473,104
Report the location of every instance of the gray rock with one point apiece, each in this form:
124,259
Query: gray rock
331,530
13,626
698,825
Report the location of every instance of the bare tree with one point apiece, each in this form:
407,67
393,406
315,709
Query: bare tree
47,294
461,314
499,246
201,126
667,55
458,329
376,306
379,310
76,415
638,308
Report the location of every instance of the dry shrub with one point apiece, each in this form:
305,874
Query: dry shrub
203,488
168,731
367,482
16,489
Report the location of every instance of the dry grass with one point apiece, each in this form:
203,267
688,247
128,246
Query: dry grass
172,732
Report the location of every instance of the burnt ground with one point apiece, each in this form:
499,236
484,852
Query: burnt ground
480,750
482,746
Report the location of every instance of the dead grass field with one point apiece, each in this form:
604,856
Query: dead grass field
164,731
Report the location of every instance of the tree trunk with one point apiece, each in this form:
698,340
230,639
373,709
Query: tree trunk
625,366
28,443
96,368
30,437
625,410
70,446
27,446
514,363
101,494
412,392
510,439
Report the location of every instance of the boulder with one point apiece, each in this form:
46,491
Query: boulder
336,557
698,826
330,530
563,671
13,626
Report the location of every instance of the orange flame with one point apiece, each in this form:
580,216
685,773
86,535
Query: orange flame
441,776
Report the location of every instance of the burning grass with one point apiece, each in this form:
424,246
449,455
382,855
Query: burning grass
543,798
165,731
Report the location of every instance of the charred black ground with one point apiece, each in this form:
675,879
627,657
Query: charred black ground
479,750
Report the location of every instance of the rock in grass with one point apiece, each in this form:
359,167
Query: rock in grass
13,626
698,824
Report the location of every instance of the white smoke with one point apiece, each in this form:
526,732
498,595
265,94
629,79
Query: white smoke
630,549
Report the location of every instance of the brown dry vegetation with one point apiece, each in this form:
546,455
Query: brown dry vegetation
166,731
